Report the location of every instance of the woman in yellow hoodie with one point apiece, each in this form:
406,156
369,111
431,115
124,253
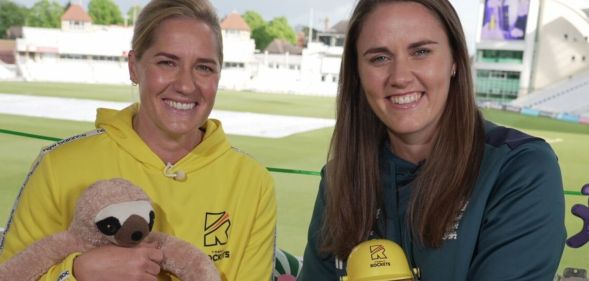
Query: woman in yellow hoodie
202,189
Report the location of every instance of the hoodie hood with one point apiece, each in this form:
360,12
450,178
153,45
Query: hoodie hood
118,126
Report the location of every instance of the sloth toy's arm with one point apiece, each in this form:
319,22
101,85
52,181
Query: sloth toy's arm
184,260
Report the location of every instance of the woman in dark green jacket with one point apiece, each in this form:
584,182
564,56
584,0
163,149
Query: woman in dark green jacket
412,160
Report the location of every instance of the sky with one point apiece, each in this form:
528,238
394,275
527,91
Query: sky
298,12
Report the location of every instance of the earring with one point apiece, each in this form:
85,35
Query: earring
453,72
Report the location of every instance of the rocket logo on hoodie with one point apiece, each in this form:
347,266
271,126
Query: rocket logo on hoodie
217,228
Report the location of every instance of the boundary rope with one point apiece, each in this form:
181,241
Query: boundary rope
271,169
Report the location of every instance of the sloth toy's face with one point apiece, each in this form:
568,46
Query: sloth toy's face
126,224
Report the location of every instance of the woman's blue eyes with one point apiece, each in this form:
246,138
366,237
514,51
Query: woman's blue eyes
205,68
421,52
378,59
202,67
166,63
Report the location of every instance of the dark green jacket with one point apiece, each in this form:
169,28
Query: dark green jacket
511,229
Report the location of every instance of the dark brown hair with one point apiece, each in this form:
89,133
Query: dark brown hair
446,179
152,15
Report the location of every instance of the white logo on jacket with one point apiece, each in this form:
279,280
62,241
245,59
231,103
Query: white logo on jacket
452,233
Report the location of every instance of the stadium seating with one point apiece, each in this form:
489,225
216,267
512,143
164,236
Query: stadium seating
77,71
569,96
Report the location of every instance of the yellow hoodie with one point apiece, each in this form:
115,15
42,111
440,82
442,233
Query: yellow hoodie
225,206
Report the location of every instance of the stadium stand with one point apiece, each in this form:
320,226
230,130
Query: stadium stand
96,55
569,96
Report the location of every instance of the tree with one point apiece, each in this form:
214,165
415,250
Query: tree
257,25
263,33
45,13
279,28
104,12
132,14
261,37
253,20
11,14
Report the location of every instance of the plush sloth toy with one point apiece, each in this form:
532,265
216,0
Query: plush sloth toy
110,211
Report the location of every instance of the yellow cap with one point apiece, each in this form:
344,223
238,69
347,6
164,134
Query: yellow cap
378,260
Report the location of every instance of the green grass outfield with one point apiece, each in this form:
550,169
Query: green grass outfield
305,151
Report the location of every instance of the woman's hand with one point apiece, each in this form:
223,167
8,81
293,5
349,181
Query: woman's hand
140,263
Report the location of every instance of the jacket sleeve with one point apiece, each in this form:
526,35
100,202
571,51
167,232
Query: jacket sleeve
258,260
36,214
317,266
522,234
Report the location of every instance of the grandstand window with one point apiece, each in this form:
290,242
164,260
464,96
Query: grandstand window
497,74
497,85
500,56
76,24
512,75
229,64
49,56
483,73
325,40
73,57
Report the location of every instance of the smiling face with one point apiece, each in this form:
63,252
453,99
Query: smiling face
405,65
178,75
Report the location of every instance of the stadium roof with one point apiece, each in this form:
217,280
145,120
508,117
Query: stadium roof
340,27
7,45
234,21
75,12
281,46
7,48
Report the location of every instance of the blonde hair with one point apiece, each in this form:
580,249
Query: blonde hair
157,11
